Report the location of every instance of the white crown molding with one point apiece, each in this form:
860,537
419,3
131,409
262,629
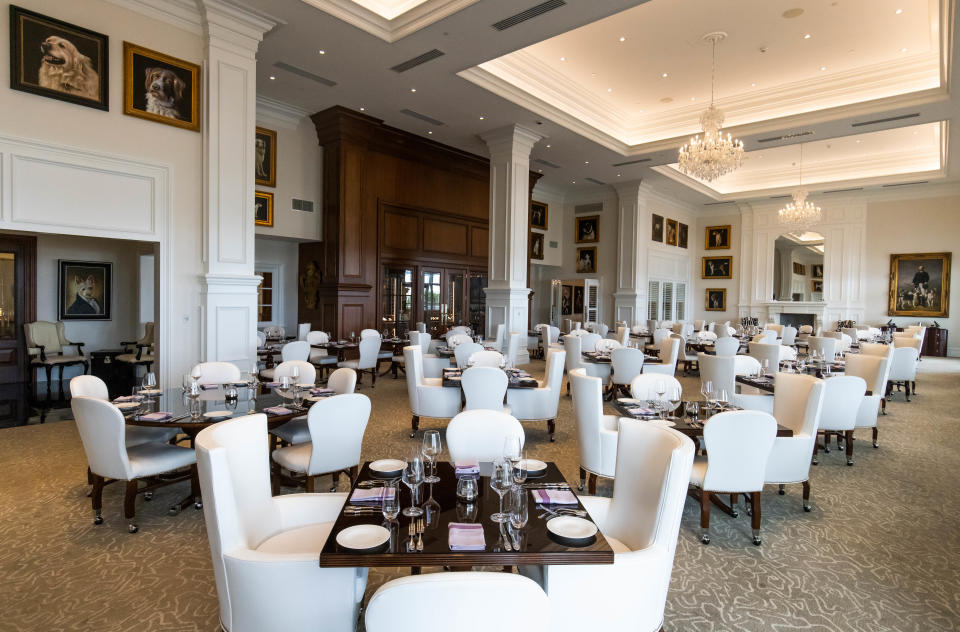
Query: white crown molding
182,14
278,113
236,26
397,28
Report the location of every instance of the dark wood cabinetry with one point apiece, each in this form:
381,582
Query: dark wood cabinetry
935,342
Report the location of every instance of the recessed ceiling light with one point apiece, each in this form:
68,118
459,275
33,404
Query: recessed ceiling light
482,117
858,141
322,52
806,36
619,174
903,50
623,39
609,89
693,98
573,182
664,75
640,111
898,11
563,59
272,78
413,89
753,85
548,146
540,170
430,131
586,162
363,109
823,67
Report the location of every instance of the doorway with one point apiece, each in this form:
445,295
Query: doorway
18,304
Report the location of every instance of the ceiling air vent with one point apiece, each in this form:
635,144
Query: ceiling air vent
422,117
778,197
546,163
630,162
845,190
529,14
596,207
715,203
783,137
419,59
303,205
595,181
886,120
906,184
306,74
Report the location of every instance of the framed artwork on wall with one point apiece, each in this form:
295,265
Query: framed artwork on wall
577,299
587,229
265,157
717,268
799,268
161,88
683,235
717,238
263,203
920,285
84,290
58,60
536,246
816,285
671,234
587,260
538,215
656,229
716,300
816,270
566,300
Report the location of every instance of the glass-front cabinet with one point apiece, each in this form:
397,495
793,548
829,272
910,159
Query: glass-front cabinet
441,297
396,296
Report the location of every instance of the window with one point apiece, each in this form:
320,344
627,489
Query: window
653,300
269,294
681,298
666,300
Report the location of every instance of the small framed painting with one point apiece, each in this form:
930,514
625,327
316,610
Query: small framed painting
84,290
920,285
58,60
265,157
588,229
577,299
263,203
816,285
587,260
816,270
683,235
799,268
536,246
716,299
566,300
671,235
656,229
161,88
717,268
538,215
717,238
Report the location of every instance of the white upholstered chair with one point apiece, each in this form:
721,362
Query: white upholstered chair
806,329
337,425
788,336
775,327
297,430
645,386
93,387
588,342
463,352
903,370
46,344
787,353
596,432
669,351
484,388
368,360
139,352
873,369
738,444
915,342
428,398
828,347
500,339
842,396
319,357
719,371
726,346
625,364
302,330
456,338
261,339
265,547
102,430
641,522
573,359
486,358
513,348
541,403
623,335
441,601
659,335
217,373
297,350
606,345
300,371
478,435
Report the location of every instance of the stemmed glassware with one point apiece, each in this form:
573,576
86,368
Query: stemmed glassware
412,478
501,480
150,381
519,512
431,450
674,399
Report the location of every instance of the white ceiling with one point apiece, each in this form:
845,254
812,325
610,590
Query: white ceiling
389,9
358,60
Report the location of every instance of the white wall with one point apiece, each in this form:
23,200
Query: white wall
284,254
723,217
556,225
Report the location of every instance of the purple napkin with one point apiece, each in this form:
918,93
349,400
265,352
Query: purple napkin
637,411
467,468
277,410
466,536
128,398
209,387
372,495
554,496
320,392
157,416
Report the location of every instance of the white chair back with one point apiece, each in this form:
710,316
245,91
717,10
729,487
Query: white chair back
872,368
513,348
298,350
914,342
768,354
261,339
719,371
842,396
651,325
604,329
103,433
572,346
698,325
589,342
413,367
500,339
89,386
306,372
745,365
338,444
342,381
797,401
625,364
669,351
851,331
317,337
274,331
726,346
369,348
464,350
567,325
646,386
677,328
422,328
369,333
806,329
484,388
478,435
767,336
775,327
606,345
787,353
587,395
216,373
738,444
788,336
874,348
659,335
302,330
486,358
623,335
828,347
554,334
455,339
903,365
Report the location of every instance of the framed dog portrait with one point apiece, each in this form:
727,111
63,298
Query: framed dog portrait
816,270
265,157
160,88
717,268
84,290
920,285
683,234
566,300
577,299
536,246
587,260
671,234
716,299
816,285
263,205
588,229
717,238
58,60
538,215
656,228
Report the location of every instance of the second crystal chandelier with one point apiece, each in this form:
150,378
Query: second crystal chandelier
711,155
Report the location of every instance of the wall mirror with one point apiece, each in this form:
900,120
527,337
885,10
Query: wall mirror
798,267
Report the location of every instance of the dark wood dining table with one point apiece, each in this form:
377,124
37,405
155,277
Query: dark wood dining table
441,507
693,428
514,380
340,347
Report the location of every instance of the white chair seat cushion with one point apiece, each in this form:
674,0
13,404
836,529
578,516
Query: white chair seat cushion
432,381
55,359
294,431
135,435
132,357
306,539
322,358
398,359
699,471
349,364
267,373
148,459
295,458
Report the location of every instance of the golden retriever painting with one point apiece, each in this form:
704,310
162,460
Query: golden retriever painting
58,60
160,88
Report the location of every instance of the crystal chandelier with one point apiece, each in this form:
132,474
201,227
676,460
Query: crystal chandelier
800,214
713,154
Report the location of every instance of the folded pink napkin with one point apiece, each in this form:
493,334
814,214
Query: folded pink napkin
554,496
277,410
372,495
466,536
316,392
209,387
157,416
640,412
466,468
128,398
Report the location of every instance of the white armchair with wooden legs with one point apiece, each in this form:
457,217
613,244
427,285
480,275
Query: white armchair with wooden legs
428,397
596,433
543,402
842,396
367,362
873,370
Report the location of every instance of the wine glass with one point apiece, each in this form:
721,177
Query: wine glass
706,387
285,382
431,449
390,501
674,399
513,449
412,477
722,398
519,513
150,381
501,480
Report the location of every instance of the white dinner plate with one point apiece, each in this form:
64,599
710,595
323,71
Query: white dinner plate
387,466
533,466
363,537
666,423
127,405
151,391
572,528
217,414
630,400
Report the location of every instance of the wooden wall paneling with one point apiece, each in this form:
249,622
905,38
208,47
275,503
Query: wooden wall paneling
400,231
479,242
445,237
351,214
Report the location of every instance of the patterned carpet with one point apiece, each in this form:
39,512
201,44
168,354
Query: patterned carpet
878,552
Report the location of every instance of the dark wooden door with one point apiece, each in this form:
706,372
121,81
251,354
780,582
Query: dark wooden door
18,303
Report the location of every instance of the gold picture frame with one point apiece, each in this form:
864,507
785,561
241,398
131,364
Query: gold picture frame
175,99
536,246
265,157
670,236
587,229
716,268
717,237
587,260
538,215
920,285
816,285
710,302
263,208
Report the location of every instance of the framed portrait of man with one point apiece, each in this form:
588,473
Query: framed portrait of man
683,235
588,229
263,205
85,290
587,260
538,215
671,234
716,299
536,246
920,285
717,238
717,268
656,228
566,300
577,299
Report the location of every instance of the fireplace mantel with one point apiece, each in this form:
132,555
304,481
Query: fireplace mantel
817,308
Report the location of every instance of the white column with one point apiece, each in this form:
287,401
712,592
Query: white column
229,296
633,236
507,291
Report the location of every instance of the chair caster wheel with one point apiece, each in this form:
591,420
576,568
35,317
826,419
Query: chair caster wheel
756,542
413,434
826,449
749,511
875,445
551,439
173,511
580,487
782,492
148,496
198,505
705,539
132,528
807,508
735,514
98,520
849,463
89,493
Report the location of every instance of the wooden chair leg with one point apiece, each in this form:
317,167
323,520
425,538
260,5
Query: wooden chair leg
816,449
195,487
705,516
334,481
806,495
373,378
876,444
96,499
353,474
848,439
414,425
592,484
129,505
310,484
755,518
551,428
733,504
583,478
275,479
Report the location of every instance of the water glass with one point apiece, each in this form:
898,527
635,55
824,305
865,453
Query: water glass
520,469
431,450
186,382
693,410
518,507
297,396
196,407
285,382
390,505
412,477
501,480
467,489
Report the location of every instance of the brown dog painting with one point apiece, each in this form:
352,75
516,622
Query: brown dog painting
84,290
160,88
164,92
66,69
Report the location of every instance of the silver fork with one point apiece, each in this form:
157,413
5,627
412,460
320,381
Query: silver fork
412,530
420,535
